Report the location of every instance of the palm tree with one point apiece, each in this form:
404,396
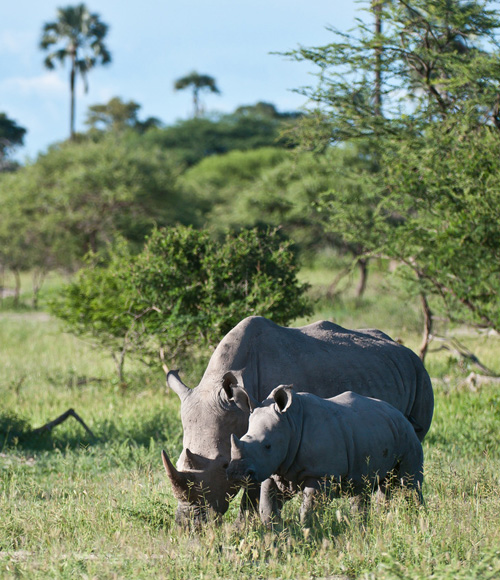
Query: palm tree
198,83
77,35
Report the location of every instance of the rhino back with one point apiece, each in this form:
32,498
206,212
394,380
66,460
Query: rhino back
352,437
325,359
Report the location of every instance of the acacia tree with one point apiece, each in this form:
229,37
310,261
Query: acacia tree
434,134
198,83
117,115
78,36
78,197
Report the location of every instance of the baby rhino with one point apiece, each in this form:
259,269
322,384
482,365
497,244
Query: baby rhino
303,439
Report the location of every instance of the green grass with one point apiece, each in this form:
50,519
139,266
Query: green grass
76,507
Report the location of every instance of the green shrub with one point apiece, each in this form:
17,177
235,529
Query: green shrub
183,292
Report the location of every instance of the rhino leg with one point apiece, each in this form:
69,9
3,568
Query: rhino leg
307,507
249,503
311,489
408,473
359,503
271,502
411,476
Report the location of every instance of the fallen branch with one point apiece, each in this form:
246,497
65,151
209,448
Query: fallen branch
19,384
474,381
51,424
81,381
463,352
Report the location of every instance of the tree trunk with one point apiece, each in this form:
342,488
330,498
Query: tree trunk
38,279
332,289
119,360
72,94
2,282
196,102
92,241
363,271
377,95
427,334
17,287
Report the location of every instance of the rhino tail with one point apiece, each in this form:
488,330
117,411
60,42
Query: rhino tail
421,412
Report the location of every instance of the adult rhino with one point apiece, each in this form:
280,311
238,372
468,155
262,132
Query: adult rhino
257,355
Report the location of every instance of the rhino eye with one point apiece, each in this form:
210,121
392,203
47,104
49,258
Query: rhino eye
267,446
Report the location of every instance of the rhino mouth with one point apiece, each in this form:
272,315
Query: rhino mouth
241,469
242,474
194,515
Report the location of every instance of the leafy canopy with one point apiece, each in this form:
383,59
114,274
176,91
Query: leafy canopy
117,116
80,196
431,181
245,129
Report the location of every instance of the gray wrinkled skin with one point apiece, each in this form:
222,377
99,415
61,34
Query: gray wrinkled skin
303,439
322,358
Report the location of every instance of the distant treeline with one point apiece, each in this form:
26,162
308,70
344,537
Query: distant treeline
399,161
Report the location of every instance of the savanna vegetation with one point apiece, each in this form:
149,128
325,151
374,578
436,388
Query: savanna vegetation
135,243
76,506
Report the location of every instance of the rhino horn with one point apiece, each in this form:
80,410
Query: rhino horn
236,448
175,383
195,461
178,479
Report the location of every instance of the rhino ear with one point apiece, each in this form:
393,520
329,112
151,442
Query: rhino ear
229,381
283,396
237,393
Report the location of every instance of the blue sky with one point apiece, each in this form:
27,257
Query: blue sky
153,44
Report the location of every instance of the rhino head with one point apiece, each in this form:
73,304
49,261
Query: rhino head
209,417
264,447
196,502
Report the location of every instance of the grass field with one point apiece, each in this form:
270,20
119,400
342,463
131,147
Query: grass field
76,507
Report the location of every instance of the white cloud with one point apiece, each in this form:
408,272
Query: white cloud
47,84
15,43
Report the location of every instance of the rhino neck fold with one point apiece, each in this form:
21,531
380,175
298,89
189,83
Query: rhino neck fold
294,416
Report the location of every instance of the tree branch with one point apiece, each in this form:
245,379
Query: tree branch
453,345
51,424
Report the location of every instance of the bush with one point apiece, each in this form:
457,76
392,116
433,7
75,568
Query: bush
183,292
